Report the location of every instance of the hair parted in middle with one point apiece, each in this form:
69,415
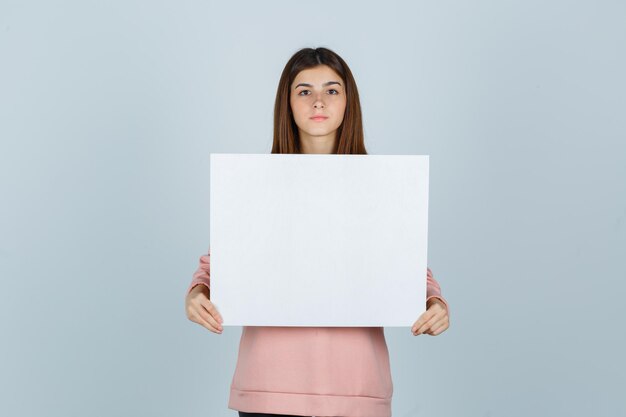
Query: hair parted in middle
349,134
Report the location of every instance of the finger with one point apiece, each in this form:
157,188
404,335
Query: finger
429,323
210,319
433,328
438,328
443,321
205,322
424,318
210,307
427,315
205,318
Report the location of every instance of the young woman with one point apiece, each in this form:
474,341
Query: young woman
313,371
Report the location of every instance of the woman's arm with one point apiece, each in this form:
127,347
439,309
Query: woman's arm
198,305
433,289
202,274
436,318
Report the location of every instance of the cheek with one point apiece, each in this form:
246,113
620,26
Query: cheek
341,108
297,110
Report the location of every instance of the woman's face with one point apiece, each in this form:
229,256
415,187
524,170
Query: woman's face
318,91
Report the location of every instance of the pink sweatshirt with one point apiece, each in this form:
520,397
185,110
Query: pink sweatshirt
312,371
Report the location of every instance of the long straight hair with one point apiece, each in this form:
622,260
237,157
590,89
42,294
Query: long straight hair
350,132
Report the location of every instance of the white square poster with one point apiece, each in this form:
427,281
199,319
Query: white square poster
318,240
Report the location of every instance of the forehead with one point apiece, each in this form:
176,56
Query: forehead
317,76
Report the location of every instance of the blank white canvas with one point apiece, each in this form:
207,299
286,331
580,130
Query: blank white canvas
318,240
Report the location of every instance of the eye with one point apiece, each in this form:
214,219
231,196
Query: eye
335,91
300,93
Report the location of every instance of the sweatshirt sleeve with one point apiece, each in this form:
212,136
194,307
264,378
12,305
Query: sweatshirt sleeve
203,273
433,289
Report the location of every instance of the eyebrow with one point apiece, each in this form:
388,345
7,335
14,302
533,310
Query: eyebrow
323,85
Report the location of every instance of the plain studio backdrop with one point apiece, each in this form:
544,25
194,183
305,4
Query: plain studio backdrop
108,114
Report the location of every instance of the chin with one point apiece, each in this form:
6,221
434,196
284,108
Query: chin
320,131
315,135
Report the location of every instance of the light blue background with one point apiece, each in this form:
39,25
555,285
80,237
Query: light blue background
108,113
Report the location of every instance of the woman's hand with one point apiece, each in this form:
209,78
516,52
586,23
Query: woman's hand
201,310
434,320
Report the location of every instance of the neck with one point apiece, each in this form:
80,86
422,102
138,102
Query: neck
317,144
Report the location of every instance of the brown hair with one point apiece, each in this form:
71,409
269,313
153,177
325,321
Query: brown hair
349,133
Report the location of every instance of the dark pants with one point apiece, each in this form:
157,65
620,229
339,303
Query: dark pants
244,414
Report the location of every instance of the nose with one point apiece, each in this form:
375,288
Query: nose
318,104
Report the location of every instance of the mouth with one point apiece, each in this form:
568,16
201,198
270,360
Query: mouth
319,118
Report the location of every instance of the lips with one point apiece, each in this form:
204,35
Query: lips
319,118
